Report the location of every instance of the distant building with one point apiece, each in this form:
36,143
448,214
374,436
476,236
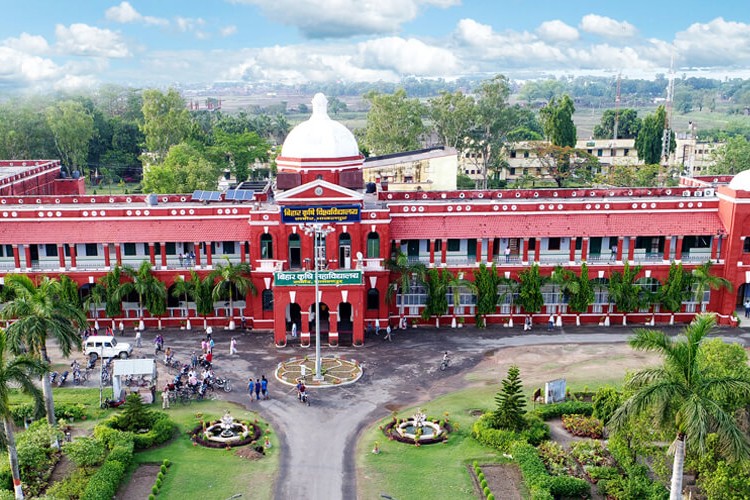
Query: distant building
432,169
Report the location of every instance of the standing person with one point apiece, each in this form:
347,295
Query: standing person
551,323
402,322
138,338
388,333
527,324
294,330
264,386
194,360
377,326
243,322
250,388
747,308
204,346
233,346
181,258
211,345
165,397
507,253
613,255
257,389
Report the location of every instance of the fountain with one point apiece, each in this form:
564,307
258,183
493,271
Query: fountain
225,432
418,429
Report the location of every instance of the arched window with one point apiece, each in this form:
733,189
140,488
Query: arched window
266,246
345,251
373,299
267,298
373,245
295,255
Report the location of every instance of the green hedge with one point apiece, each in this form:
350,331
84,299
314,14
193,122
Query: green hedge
162,429
70,412
553,410
104,483
502,439
541,485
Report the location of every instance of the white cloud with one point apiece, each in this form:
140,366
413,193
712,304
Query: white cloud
17,67
187,24
126,13
344,18
228,30
607,27
30,44
85,40
406,57
557,30
716,43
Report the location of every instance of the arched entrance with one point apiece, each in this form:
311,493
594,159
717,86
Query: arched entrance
294,315
325,326
345,325
345,251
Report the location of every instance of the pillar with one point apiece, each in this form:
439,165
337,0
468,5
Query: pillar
118,253
73,263
209,254
572,257
16,258
163,248
667,248
490,250
525,251
431,244
585,249
537,249
107,257
479,250
197,252
333,322
61,256
678,249
714,247
631,249
443,251
27,256
243,254
152,254
304,335
620,245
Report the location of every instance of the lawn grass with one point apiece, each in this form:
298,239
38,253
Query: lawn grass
431,471
203,473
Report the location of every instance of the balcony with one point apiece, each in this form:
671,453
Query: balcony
371,264
270,265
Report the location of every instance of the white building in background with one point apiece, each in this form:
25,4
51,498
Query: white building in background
432,169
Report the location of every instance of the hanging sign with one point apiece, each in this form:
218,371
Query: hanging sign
327,214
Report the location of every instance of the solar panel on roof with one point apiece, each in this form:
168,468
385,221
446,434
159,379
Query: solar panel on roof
197,195
230,195
213,196
245,195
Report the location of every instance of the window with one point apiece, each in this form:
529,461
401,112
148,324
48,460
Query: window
553,244
513,171
50,250
590,151
513,154
454,245
525,154
266,246
612,152
626,152
373,245
171,248
373,299
228,247
92,249
579,243
267,298
129,248
599,152
746,245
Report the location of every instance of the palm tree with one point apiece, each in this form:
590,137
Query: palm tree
454,284
407,273
704,280
679,396
185,289
39,314
14,373
232,277
511,288
151,292
112,282
97,295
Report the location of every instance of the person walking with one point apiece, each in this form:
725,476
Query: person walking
211,345
747,308
138,338
165,397
257,389
377,326
527,324
264,386
250,388
551,323
388,333
294,330
233,346
204,346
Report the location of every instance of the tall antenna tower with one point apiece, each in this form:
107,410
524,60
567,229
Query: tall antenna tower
667,137
617,109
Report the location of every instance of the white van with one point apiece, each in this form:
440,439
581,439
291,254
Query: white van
106,347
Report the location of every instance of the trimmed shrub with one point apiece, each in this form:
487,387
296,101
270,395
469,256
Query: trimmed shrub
152,497
71,487
486,491
25,411
85,451
163,469
554,410
155,490
501,439
569,487
105,481
490,497
162,429
483,483
166,462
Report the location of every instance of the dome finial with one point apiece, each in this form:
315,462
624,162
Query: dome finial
320,106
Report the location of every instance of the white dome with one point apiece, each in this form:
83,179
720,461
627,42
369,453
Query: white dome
320,137
741,181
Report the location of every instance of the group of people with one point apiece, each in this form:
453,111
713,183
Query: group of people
186,259
259,387
374,327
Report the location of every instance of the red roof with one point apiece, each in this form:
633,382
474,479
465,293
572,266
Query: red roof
555,225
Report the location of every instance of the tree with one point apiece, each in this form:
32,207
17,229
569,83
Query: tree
437,294
199,290
530,292
407,273
486,281
582,295
452,116
166,120
134,415
241,151
112,292
634,175
565,164
39,314
650,137
557,122
394,123
72,129
184,170
675,290
152,293
510,413
732,157
628,124
17,372
232,277
624,292
454,284
704,279
336,105
678,396
97,295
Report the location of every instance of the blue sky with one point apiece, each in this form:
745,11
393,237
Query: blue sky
58,44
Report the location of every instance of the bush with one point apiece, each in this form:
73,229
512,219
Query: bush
105,481
152,497
161,429
85,451
155,490
554,410
598,473
163,469
25,411
490,497
569,487
71,487
583,426
486,491
483,483
541,485
502,440
605,403
166,462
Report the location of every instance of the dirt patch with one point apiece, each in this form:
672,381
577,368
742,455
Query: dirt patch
140,483
63,468
249,453
504,480
476,413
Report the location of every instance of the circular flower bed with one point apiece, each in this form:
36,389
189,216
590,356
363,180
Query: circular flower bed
197,435
391,431
336,371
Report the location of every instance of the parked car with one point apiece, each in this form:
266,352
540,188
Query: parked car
106,347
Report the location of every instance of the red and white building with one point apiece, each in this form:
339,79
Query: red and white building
60,230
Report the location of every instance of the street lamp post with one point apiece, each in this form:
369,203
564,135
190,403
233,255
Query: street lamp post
317,230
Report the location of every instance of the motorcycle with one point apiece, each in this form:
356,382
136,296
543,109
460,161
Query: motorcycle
111,403
53,377
63,378
223,383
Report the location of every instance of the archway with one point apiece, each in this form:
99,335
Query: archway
743,293
294,315
295,252
345,325
345,251
325,326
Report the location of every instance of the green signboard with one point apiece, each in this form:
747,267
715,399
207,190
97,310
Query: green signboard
325,278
